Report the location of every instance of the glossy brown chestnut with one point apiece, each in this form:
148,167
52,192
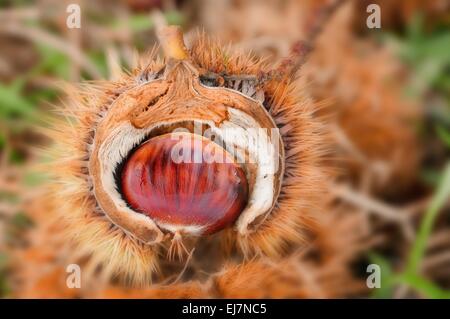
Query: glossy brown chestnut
192,193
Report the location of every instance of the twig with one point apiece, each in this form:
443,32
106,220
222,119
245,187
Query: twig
439,239
304,48
361,200
372,205
435,260
40,36
14,14
300,51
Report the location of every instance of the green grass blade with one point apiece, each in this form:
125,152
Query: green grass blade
425,287
439,199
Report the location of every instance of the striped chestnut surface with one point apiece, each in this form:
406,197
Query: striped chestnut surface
185,182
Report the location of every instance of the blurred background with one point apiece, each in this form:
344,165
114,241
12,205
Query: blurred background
383,93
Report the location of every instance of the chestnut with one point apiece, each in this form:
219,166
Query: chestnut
200,193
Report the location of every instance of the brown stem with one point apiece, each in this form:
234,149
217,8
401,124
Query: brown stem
300,51
171,39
